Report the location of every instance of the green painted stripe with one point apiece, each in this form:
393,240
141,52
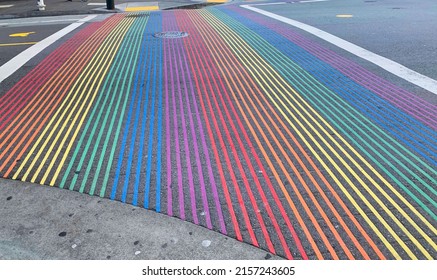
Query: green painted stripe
110,160
246,34
76,98
132,49
283,64
116,35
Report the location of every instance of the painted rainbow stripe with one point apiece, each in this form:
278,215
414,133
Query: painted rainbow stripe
244,127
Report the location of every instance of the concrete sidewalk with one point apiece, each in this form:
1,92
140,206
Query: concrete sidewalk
29,8
46,223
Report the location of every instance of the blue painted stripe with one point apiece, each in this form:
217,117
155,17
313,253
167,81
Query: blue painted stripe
267,43
383,114
143,94
156,46
140,69
159,143
143,131
98,110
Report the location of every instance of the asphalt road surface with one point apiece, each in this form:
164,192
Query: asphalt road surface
240,122
403,31
16,35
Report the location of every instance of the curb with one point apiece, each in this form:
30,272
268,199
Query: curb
48,223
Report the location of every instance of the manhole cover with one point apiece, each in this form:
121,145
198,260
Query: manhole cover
171,34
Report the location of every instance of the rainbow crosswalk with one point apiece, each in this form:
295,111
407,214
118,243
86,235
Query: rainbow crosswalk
244,127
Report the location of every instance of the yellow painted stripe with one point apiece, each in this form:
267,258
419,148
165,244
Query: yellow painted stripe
358,177
141,9
64,158
287,90
107,46
96,85
258,76
236,88
18,44
34,106
229,79
80,80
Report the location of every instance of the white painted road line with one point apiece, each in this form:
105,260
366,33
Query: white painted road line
283,3
39,20
385,63
269,4
312,1
18,61
5,6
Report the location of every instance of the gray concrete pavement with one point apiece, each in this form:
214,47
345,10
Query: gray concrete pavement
40,222
29,8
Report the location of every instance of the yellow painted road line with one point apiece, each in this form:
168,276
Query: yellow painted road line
22,34
15,63
142,9
17,44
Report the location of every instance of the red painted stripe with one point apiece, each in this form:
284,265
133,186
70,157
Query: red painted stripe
220,49
192,42
215,40
27,86
217,78
321,192
44,104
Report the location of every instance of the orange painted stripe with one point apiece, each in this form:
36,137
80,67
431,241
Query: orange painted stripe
43,109
302,223
201,85
355,241
271,111
212,49
254,175
210,80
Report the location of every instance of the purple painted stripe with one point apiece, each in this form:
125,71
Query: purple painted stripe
195,142
177,146
206,153
177,57
408,102
168,132
193,130
175,72
185,135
